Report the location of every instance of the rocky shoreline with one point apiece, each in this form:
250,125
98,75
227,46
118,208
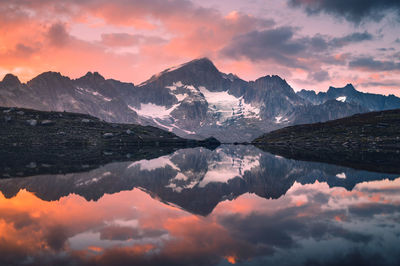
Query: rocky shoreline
59,142
24,127
370,140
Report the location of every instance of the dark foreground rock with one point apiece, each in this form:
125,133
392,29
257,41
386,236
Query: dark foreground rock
59,142
369,141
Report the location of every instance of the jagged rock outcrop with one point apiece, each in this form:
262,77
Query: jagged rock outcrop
348,94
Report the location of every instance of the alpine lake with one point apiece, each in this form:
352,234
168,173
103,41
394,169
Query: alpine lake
233,204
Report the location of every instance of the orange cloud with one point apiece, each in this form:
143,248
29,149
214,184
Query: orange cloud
40,39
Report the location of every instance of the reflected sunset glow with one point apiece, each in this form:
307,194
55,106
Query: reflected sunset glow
130,226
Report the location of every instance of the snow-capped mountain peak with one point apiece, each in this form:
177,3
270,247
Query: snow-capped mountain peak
193,100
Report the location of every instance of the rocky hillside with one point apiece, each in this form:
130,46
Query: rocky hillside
29,128
364,138
28,135
41,142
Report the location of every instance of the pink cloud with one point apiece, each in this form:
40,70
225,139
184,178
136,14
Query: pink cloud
136,39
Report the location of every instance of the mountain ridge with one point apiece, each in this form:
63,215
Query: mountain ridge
192,100
370,101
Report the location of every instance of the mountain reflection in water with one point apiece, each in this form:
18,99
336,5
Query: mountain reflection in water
234,204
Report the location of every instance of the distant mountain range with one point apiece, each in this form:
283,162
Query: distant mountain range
369,101
193,100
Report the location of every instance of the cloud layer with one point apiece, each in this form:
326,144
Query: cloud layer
132,40
353,10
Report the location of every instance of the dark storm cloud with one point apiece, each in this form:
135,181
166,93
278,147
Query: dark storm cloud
321,230
23,49
386,49
386,190
355,11
277,44
56,237
371,209
353,257
370,64
19,219
319,75
283,47
261,229
282,228
382,84
321,198
396,55
352,38
58,35
124,233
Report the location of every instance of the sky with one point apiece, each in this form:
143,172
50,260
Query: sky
313,44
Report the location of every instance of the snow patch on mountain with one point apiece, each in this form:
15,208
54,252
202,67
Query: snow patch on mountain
151,165
181,95
165,124
160,116
341,175
228,106
151,110
341,99
94,93
175,85
249,162
181,182
280,119
228,167
184,130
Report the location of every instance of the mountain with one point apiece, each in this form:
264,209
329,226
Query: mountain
193,100
90,94
348,94
323,112
195,179
207,102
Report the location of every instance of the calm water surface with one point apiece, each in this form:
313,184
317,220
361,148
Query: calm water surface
232,205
